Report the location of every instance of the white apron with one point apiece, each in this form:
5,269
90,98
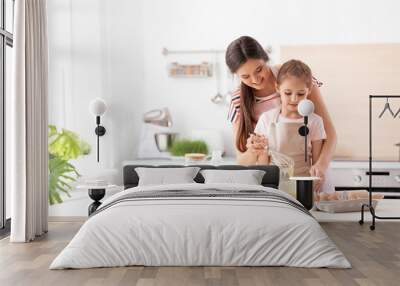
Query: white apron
284,138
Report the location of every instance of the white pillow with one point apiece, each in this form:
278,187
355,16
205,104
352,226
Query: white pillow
248,177
165,176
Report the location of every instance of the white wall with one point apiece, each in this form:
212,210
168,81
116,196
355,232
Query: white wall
112,49
96,50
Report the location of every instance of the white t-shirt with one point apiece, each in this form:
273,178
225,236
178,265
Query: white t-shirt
315,124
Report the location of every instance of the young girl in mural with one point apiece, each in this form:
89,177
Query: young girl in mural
277,129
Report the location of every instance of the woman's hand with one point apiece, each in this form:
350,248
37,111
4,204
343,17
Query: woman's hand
256,144
318,170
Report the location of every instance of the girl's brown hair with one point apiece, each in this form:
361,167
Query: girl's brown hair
297,69
238,52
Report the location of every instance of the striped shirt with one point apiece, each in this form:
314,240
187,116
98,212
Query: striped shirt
262,104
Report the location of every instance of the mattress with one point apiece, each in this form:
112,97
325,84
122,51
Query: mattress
201,225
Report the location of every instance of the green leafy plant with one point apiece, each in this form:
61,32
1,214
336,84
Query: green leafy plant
64,145
184,146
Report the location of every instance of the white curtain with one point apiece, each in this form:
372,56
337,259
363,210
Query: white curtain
27,121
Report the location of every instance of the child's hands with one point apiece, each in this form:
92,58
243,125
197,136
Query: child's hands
262,140
257,143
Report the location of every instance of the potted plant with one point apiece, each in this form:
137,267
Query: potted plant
64,145
185,146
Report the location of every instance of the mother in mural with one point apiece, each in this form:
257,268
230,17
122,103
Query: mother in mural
247,59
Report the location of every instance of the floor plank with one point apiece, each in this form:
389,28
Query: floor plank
375,257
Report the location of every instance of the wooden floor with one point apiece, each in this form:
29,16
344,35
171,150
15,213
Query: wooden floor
375,257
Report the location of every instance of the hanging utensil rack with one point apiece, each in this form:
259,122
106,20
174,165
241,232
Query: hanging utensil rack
371,173
167,52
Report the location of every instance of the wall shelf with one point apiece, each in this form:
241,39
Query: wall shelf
202,70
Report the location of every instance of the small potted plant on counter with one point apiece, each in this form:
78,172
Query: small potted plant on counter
192,149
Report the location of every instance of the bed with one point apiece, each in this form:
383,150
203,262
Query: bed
198,224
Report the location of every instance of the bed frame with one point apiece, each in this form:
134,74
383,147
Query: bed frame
270,179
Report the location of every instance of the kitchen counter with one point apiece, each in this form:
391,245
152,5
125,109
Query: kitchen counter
335,164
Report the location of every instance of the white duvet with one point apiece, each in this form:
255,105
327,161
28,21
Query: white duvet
200,231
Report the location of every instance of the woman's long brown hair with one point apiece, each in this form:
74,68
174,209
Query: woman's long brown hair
238,52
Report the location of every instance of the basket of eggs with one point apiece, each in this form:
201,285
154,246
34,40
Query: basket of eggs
345,201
